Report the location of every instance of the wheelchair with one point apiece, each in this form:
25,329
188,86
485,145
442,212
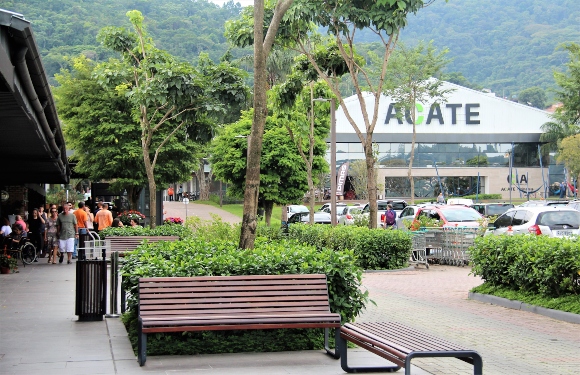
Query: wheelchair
24,250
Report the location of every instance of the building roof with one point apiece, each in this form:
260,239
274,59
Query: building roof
32,147
467,116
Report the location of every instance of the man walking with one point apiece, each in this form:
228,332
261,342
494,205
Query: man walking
67,232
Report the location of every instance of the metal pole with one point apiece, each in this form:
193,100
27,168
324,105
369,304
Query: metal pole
114,286
333,161
511,177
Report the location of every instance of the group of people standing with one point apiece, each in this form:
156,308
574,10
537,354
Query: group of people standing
172,195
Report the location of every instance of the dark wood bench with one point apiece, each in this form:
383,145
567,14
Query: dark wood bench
122,244
399,344
209,303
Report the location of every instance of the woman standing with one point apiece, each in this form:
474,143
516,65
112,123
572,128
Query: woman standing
51,240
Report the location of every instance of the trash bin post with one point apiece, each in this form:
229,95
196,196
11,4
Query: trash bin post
91,289
114,286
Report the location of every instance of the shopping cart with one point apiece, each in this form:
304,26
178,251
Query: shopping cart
434,244
94,246
419,251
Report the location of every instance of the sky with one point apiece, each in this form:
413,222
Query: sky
242,2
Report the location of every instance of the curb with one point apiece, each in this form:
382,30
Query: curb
410,268
517,305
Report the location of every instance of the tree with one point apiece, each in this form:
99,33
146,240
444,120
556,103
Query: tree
533,96
569,154
99,127
566,119
261,51
412,80
169,98
341,19
283,175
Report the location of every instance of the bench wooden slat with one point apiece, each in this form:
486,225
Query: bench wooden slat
236,277
178,304
177,311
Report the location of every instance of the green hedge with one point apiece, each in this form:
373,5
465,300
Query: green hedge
195,257
375,249
538,264
160,230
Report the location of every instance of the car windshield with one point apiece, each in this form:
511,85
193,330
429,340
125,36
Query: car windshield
570,218
498,209
398,205
459,215
298,209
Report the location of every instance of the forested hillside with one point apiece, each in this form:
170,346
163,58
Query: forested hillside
503,45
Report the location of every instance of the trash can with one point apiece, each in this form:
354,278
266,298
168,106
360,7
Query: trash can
91,289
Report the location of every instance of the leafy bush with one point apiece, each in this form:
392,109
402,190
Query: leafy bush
195,257
538,264
374,248
160,230
212,229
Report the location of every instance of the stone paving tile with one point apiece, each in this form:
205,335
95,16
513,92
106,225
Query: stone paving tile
510,341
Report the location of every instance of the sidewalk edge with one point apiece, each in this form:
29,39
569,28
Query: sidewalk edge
517,305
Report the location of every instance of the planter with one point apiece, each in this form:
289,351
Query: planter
4,270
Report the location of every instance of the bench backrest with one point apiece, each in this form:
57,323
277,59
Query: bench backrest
128,243
212,296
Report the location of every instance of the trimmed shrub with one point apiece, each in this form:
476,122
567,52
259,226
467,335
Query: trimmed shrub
375,249
538,264
160,230
195,257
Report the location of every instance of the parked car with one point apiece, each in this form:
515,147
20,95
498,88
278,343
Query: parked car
346,215
575,205
546,220
408,215
303,217
460,201
543,203
327,206
492,209
398,206
452,215
296,208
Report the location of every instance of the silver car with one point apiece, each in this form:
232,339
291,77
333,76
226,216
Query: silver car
346,215
547,220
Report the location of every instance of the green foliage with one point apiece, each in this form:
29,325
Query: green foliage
569,154
201,257
534,96
535,264
161,230
479,160
375,249
569,303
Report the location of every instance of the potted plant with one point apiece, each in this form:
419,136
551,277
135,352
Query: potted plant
126,216
173,220
7,263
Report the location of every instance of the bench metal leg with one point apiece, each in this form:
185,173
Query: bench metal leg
141,344
342,351
334,354
468,356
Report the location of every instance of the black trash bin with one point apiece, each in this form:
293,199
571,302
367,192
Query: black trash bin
91,292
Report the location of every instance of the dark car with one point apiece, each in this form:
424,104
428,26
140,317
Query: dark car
492,209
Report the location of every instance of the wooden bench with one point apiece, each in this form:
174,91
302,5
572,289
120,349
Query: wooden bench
399,344
122,244
209,303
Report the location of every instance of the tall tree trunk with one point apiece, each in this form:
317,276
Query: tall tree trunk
268,208
152,186
371,182
133,193
412,157
252,189
204,182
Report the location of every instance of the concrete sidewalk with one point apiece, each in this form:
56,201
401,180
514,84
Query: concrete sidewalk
39,333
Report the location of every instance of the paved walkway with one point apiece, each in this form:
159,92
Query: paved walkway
39,333
203,211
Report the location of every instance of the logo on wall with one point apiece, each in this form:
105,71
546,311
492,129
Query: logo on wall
435,114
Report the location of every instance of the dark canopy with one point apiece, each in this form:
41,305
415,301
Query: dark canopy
32,148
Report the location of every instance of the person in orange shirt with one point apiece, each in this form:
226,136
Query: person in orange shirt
82,219
170,193
104,218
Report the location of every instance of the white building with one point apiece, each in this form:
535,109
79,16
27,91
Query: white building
473,134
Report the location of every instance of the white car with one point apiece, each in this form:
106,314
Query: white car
346,215
296,208
547,220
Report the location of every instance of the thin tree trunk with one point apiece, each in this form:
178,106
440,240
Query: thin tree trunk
252,189
133,193
152,186
410,171
268,208
371,183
